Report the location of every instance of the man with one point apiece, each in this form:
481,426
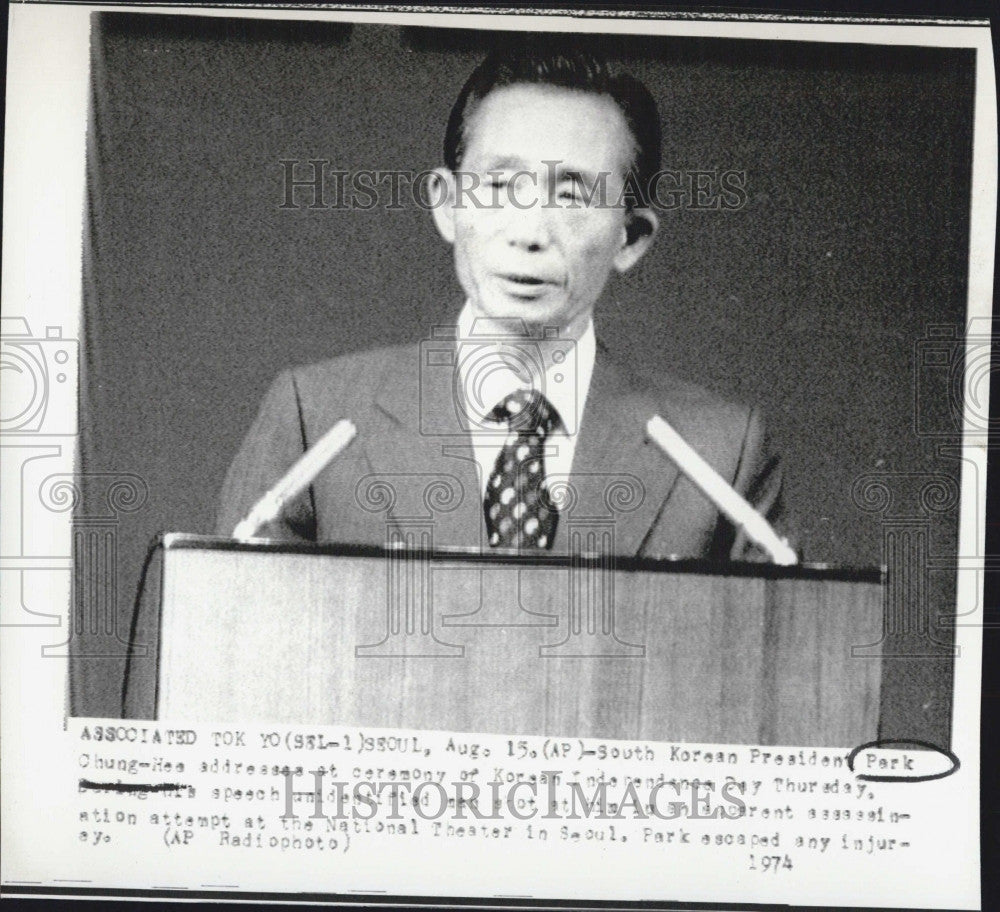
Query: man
514,428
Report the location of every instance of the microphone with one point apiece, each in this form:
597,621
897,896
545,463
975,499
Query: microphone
296,479
720,492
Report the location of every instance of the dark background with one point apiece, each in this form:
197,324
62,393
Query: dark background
813,300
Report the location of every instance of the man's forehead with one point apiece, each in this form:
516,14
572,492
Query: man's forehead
562,168
524,124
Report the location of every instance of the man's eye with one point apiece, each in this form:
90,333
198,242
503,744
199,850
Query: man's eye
497,182
570,194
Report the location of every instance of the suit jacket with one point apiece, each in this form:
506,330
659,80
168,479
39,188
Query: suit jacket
411,468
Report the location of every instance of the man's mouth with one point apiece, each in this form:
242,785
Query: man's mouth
526,279
524,284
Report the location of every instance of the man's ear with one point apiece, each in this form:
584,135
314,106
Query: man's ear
441,194
641,225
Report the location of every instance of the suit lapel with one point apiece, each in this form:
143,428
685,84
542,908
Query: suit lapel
417,432
622,480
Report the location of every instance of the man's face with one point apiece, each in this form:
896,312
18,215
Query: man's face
527,242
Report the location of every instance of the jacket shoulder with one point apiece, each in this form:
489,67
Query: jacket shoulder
692,405
351,377
365,362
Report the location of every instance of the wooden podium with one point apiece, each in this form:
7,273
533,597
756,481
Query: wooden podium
533,645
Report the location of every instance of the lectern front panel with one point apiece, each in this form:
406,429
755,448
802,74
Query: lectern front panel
565,648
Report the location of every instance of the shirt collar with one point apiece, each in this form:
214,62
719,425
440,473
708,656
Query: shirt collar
487,376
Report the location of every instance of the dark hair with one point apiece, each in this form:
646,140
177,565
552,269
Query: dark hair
549,60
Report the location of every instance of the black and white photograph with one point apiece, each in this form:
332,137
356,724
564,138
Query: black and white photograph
523,392
270,256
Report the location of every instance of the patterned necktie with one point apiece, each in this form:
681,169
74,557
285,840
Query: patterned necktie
518,511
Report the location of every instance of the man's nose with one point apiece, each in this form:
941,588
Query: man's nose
528,225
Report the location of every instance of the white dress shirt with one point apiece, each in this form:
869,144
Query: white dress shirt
490,368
